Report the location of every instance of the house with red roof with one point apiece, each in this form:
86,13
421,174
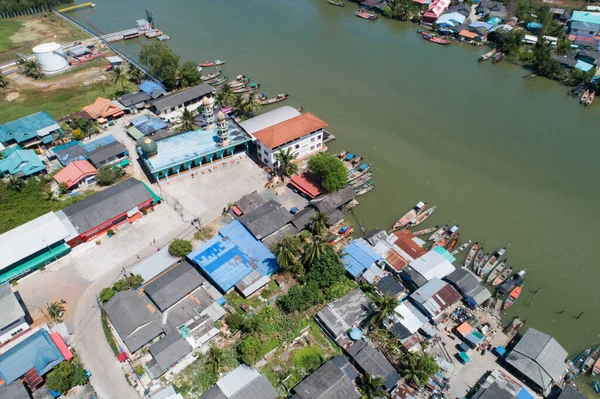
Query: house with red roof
435,10
76,174
103,109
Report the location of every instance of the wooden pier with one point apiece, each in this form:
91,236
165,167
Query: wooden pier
77,7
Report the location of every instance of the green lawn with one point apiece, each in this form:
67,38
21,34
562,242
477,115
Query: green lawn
7,29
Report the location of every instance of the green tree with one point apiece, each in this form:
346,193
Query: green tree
327,269
15,183
249,350
287,251
214,360
106,294
300,298
544,64
330,170
238,104
252,105
285,159
3,81
180,247
417,368
319,224
135,74
56,311
188,121
225,96
578,77
314,249
31,69
372,387
119,78
107,175
385,308
190,75
235,321
161,62
65,376
563,47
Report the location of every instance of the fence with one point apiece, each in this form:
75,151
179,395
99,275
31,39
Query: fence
30,11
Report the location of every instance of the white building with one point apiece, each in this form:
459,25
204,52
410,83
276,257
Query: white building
12,315
285,128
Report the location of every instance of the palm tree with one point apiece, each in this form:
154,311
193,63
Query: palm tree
252,105
30,68
412,369
286,251
3,81
372,387
119,78
136,75
15,184
238,104
56,310
314,249
319,223
286,159
225,96
188,121
386,308
215,359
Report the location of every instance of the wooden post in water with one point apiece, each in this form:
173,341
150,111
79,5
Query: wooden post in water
580,314
534,295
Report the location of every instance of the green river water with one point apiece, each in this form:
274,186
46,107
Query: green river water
510,160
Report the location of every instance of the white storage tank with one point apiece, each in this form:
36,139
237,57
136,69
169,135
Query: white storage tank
51,57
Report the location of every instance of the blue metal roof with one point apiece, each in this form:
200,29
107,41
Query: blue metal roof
152,89
586,16
139,120
26,162
101,142
583,66
479,24
152,125
524,394
26,128
37,351
447,255
359,256
233,254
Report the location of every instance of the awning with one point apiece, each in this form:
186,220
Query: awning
62,347
463,357
134,133
464,329
236,210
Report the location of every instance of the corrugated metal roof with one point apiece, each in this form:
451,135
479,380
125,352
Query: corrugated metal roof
408,318
28,127
10,308
359,256
432,265
181,97
436,296
173,285
327,382
169,350
268,119
155,264
266,219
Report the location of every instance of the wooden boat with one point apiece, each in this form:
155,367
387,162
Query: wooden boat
487,55
453,242
266,101
512,297
446,238
336,3
242,90
596,369
421,31
461,248
492,262
342,154
578,364
421,218
365,15
590,98
410,215
217,81
530,76
211,63
356,160
471,254
362,180
478,259
426,231
240,80
496,271
510,284
434,39
365,189
483,262
210,76
451,235
502,276
438,234
591,360
497,58
355,173
584,97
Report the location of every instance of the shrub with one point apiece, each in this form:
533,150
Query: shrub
139,369
111,232
249,350
107,175
65,376
106,294
308,359
180,248
235,321
78,134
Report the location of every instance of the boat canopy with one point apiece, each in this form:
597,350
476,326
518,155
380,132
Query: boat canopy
463,357
500,350
453,229
364,166
349,156
420,205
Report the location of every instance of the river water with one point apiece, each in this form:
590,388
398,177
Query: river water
510,160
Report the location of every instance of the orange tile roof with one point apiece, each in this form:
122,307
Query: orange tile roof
468,34
291,129
103,108
464,329
74,172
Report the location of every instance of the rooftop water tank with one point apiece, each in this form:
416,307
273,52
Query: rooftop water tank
51,57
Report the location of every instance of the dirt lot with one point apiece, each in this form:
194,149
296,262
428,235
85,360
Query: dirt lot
73,78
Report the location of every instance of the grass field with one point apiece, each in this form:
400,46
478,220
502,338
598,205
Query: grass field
7,29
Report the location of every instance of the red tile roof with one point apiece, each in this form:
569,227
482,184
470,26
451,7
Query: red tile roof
74,172
307,184
289,130
103,108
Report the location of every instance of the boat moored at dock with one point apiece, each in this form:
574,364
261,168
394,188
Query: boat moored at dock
497,58
209,64
471,255
264,100
365,15
410,215
438,234
426,231
512,297
461,248
502,276
435,39
421,218
336,3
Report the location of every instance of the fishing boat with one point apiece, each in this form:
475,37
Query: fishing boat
356,160
597,386
410,215
421,31
596,369
362,180
509,285
365,189
365,15
590,98
471,254
438,234
584,97
266,101
355,173
492,262
342,154
497,58
484,260
421,218
210,76
451,235
487,55
426,231
336,3
446,238
512,297
211,63
461,248
240,80
453,242
578,364
478,259
496,271
434,39
502,276
242,90
591,360
217,80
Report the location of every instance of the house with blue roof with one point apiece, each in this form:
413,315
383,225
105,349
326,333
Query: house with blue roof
359,257
585,25
235,259
37,351
152,89
22,163
38,128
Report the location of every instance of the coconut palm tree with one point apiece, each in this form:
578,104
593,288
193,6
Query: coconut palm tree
136,75
252,105
56,310
319,223
3,81
225,96
188,121
372,387
119,78
238,104
14,183
30,68
385,309
287,251
314,249
412,369
215,359
286,159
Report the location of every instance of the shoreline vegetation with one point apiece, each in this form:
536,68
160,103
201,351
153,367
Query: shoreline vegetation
537,59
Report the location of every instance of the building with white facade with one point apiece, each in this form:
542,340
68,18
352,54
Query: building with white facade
285,128
12,315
